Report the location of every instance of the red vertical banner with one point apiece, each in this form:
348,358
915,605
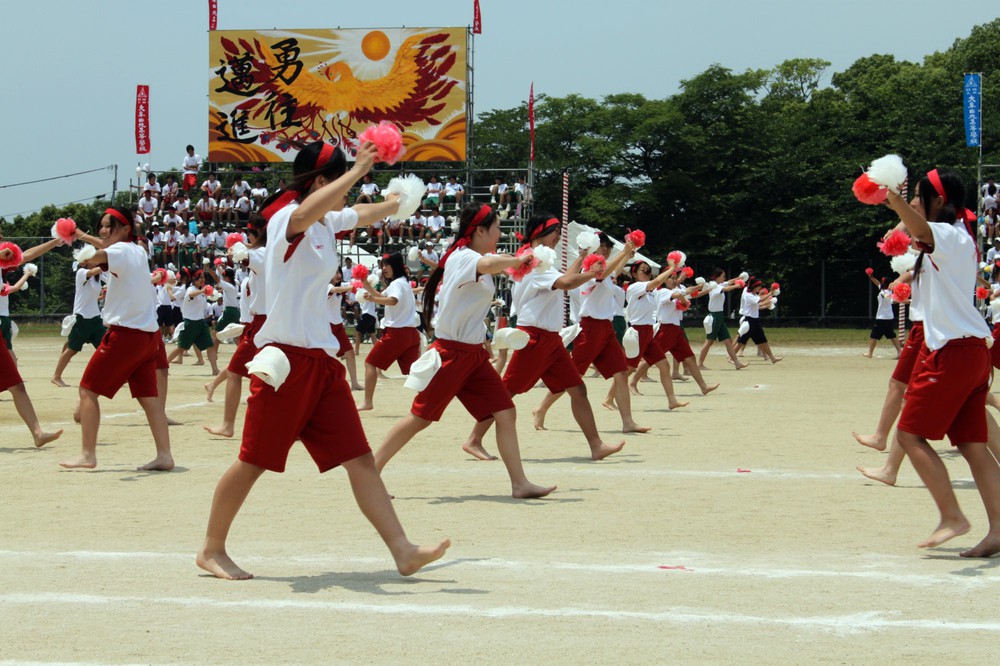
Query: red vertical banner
213,14
142,119
531,119
477,20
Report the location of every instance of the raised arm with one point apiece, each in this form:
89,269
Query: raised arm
916,225
330,195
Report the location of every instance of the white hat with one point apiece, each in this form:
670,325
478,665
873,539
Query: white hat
569,333
67,325
630,342
744,328
271,365
230,331
510,338
422,370
708,324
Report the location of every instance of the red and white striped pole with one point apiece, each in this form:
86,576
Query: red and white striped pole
565,240
902,323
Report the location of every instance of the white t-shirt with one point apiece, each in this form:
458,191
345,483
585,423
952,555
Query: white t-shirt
191,163
230,295
245,315
148,206
451,189
641,306
212,186
435,223
369,189
404,313
430,255
152,187
127,302
163,295
668,312
298,275
947,283
418,221
227,203
368,307
88,292
193,307
884,304
169,189
240,188
259,192
597,299
433,188
464,299
333,303
244,205
717,298
750,304
537,303
206,241
257,291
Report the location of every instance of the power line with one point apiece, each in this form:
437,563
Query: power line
23,212
69,175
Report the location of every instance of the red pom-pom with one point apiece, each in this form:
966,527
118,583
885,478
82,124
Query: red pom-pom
982,293
159,276
638,238
232,239
869,272
740,283
209,290
682,304
594,263
388,141
359,272
219,261
518,272
16,255
896,244
675,257
763,292
775,286
687,272
868,192
413,284
355,285
901,292
5,289
66,230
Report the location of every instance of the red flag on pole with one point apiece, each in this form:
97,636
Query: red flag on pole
213,14
477,20
531,119
141,119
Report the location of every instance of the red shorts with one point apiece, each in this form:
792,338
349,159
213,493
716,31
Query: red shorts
125,355
161,355
671,339
204,215
397,345
246,349
543,358
995,349
947,395
9,376
597,345
649,350
340,333
395,231
190,180
467,374
909,353
314,405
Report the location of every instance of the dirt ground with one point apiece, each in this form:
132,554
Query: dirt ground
737,531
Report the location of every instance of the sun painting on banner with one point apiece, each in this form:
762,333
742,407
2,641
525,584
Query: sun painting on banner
269,90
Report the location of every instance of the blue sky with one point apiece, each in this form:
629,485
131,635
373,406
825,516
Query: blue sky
71,67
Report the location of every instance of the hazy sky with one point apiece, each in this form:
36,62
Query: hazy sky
71,67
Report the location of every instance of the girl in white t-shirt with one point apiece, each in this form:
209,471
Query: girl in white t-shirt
336,293
538,299
465,275
313,403
131,348
947,394
400,341
884,320
87,326
753,299
717,286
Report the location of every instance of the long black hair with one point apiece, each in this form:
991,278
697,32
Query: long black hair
396,263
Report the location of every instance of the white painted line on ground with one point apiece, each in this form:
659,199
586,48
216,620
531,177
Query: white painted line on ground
857,622
680,564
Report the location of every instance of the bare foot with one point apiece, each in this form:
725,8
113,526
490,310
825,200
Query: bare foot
364,407
477,451
416,557
158,464
633,389
878,475
221,431
43,438
198,363
357,387
610,405
635,427
81,462
530,490
867,355
59,382
173,422
221,565
539,419
988,547
679,378
944,532
871,441
702,367
209,390
776,359
677,405
603,450
709,389
740,366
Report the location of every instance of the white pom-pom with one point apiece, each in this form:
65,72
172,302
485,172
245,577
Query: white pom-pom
588,241
171,276
85,253
773,304
30,269
776,292
413,254
24,286
410,190
239,252
684,259
744,276
888,171
903,263
206,261
546,258
699,281
362,296
456,224
445,244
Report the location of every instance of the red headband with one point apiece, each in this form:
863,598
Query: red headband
484,212
122,220
324,155
539,230
935,180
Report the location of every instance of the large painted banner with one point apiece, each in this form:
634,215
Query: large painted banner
269,89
